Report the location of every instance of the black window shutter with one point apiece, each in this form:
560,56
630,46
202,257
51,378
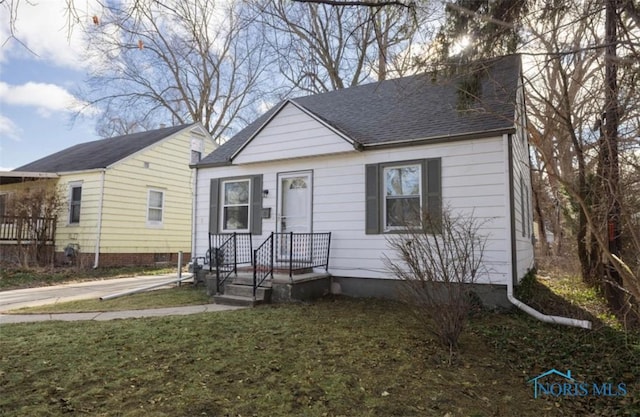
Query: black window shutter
372,197
256,205
433,192
214,196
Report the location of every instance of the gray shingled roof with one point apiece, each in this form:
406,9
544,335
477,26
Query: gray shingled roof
99,153
404,109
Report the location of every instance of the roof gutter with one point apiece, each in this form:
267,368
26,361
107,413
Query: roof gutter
446,138
96,260
566,321
81,171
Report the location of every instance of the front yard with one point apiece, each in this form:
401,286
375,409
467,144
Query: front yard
336,357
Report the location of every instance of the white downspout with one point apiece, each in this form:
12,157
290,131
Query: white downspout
566,321
585,324
99,223
193,211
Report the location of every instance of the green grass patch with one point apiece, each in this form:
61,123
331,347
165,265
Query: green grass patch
565,295
335,357
169,297
11,279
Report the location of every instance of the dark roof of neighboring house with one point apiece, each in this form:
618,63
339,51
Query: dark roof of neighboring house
99,153
418,107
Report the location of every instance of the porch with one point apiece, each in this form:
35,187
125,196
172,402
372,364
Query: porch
24,230
27,240
284,267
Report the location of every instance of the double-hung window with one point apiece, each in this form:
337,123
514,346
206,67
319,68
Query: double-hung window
402,195
155,207
75,198
235,205
399,193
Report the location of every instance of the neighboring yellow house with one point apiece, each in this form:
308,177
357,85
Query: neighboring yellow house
128,199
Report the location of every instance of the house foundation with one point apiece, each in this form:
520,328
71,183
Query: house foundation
111,260
491,295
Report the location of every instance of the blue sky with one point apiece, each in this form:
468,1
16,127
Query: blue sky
37,85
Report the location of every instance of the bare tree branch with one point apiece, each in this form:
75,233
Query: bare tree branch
374,4
193,61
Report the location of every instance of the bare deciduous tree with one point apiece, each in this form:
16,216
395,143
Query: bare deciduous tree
34,210
194,60
581,153
323,48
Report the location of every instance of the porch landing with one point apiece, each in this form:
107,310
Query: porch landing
279,289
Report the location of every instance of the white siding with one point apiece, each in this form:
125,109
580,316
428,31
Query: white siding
523,211
473,181
292,134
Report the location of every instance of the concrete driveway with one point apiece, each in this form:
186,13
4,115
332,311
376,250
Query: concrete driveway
13,299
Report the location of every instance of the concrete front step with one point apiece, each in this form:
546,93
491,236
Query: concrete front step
247,280
281,288
236,300
262,293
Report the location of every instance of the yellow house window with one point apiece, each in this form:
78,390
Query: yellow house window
75,198
155,207
3,207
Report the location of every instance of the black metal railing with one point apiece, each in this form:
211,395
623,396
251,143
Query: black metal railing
262,263
28,229
226,252
296,252
286,252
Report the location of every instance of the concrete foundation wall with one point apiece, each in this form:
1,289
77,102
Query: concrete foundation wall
284,291
492,296
123,259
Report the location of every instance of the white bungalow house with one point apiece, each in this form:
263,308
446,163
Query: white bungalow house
350,161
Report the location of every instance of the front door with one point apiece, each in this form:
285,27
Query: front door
294,202
294,210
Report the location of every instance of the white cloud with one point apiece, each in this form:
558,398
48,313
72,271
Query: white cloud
49,29
45,97
8,129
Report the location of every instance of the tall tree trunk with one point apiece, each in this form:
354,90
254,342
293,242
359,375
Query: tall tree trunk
539,215
609,155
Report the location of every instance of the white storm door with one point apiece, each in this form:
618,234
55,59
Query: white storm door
294,202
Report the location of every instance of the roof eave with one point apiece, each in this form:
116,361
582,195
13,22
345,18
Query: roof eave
82,171
28,174
210,164
442,139
13,177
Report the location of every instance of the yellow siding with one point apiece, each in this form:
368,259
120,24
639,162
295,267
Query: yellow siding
124,226
124,213
84,233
